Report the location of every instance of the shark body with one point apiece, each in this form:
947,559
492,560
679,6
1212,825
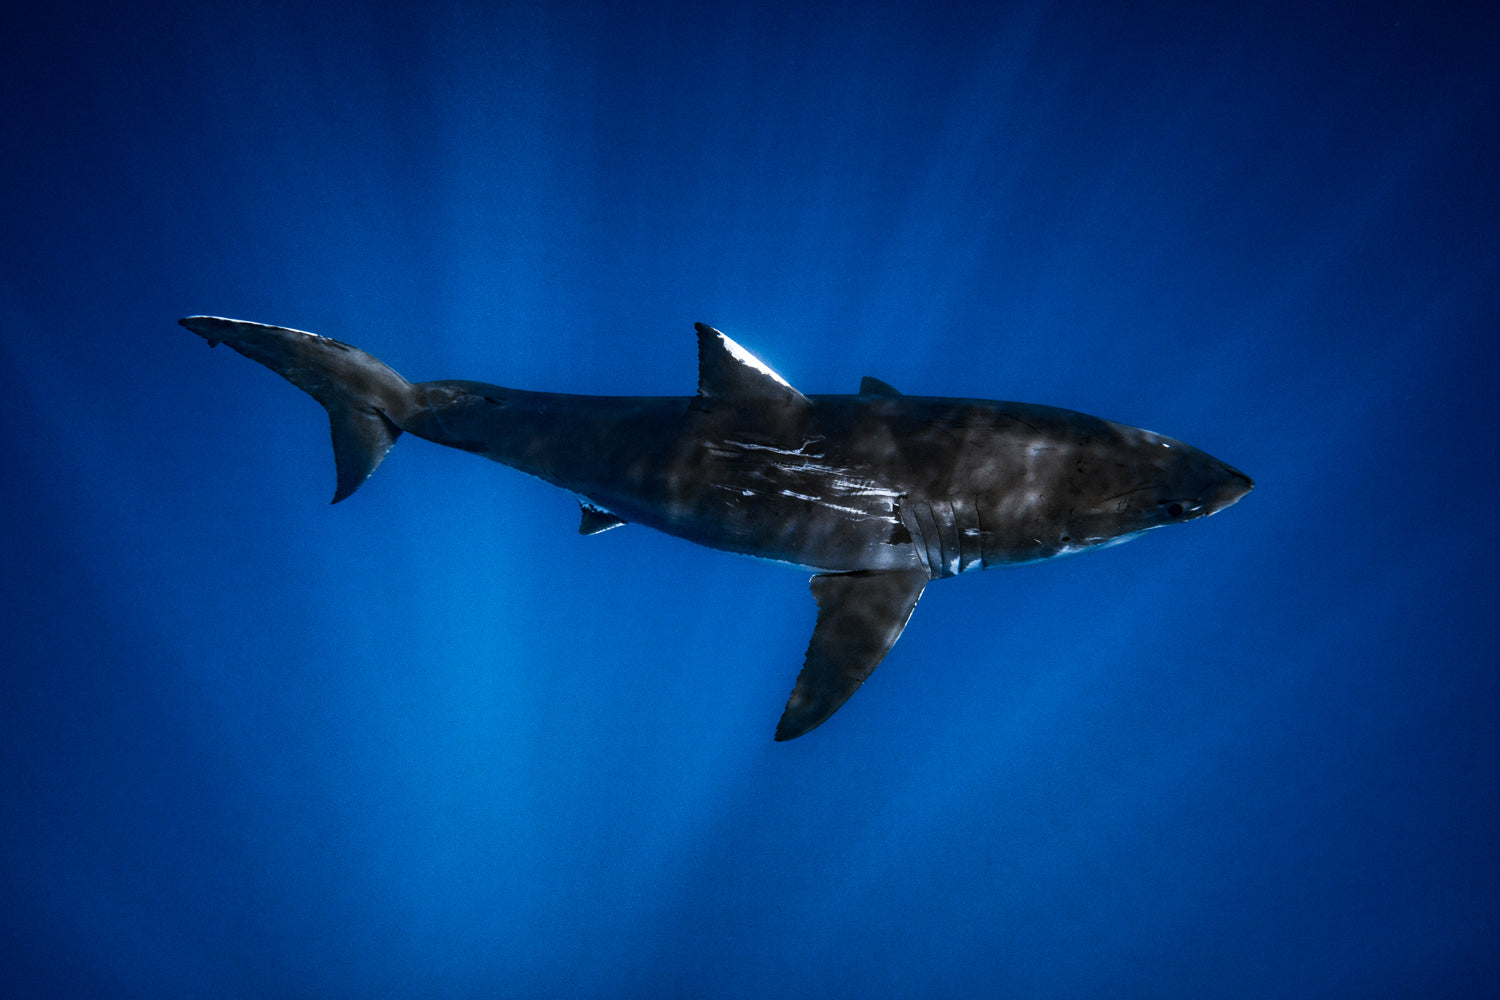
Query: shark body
877,493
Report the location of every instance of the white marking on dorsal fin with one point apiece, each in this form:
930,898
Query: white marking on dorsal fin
729,372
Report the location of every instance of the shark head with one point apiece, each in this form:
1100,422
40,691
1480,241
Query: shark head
1166,482
1186,482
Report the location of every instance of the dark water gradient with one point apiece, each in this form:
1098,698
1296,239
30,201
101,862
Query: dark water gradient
432,743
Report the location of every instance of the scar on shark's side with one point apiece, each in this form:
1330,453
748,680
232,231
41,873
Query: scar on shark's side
877,492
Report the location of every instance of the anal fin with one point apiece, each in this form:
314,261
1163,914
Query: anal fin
860,617
596,519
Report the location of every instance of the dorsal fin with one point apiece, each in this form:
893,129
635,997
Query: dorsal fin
728,372
596,519
872,386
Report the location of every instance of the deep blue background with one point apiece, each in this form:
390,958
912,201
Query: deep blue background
431,742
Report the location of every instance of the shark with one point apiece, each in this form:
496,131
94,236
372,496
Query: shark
876,493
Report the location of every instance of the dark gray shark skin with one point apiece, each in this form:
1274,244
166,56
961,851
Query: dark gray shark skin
877,493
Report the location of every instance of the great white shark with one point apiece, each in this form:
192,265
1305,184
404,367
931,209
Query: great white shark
877,493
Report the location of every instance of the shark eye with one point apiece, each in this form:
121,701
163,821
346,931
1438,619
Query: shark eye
1174,509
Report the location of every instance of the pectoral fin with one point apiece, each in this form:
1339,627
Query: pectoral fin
860,617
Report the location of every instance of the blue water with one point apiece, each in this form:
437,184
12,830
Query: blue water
431,742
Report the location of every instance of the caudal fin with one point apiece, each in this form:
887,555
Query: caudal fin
364,398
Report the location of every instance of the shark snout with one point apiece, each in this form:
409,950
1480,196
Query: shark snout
1231,486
